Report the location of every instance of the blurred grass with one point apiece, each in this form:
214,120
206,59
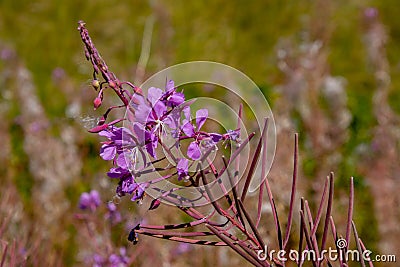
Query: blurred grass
238,33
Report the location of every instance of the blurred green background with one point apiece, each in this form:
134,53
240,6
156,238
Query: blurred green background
271,41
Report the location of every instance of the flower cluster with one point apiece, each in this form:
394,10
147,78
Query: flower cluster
91,201
163,114
114,260
163,119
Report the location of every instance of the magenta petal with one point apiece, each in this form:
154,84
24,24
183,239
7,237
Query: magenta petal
233,134
183,165
176,99
107,152
182,168
122,162
151,146
186,112
216,137
194,151
188,129
154,94
142,113
170,85
201,117
173,119
139,131
107,134
117,172
169,121
138,193
159,108
128,186
151,143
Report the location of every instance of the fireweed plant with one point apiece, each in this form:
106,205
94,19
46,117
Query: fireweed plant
164,114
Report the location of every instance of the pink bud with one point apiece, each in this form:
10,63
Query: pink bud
138,90
102,120
97,102
112,84
154,204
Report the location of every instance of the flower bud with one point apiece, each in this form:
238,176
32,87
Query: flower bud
112,84
102,120
97,102
95,84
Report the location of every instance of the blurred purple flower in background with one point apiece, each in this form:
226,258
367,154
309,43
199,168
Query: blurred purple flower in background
113,215
371,12
89,200
120,260
180,249
98,261
58,74
114,260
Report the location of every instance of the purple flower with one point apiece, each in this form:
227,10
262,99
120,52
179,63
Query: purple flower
232,135
152,114
89,200
142,110
194,151
206,139
129,186
58,74
371,12
180,249
113,214
139,192
155,110
152,111
153,120
98,260
119,172
182,168
201,117
173,122
187,126
118,139
215,137
146,138
158,107
120,260
172,98
126,186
